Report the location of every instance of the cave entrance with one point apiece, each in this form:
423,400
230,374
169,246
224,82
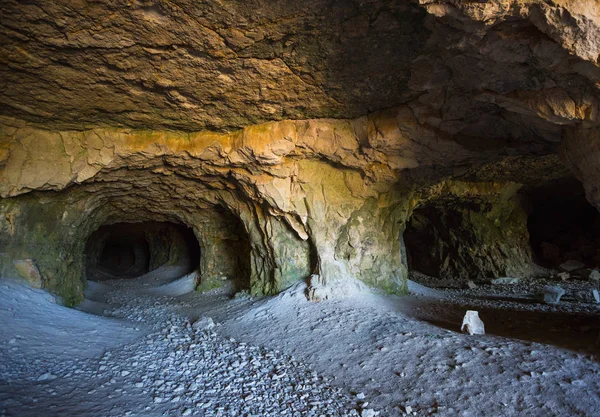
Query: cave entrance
460,239
431,238
125,256
563,225
129,250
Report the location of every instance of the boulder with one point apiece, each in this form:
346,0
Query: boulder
472,324
571,265
550,294
28,270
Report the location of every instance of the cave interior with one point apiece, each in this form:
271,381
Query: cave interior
441,155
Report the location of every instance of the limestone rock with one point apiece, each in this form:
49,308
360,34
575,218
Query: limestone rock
423,119
28,270
550,294
564,276
203,324
590,296
472,324
594,275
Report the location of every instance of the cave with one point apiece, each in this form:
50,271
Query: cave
563,225
460,238
317,207
129,250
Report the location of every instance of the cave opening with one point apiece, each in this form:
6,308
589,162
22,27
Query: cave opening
125,256
562,224
460,239
431,239
129,250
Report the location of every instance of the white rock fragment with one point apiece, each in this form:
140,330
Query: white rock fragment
550,294
594,275
46,377
369,412
472,324
505,281
203,323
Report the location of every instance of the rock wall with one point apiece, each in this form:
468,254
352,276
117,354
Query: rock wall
321,198
470,231
201,114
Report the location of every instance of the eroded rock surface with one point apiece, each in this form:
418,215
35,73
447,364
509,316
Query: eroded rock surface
321,128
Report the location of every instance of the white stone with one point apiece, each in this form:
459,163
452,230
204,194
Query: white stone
505,281
551,294
46,377
472,324
203,323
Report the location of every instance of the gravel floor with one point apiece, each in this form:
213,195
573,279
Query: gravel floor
184,369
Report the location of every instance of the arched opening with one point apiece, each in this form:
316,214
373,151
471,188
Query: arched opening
129,250
563,225
459,239
125,256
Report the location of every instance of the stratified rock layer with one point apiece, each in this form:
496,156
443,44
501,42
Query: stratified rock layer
319,127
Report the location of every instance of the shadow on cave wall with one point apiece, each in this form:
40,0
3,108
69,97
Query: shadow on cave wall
562,224
467,239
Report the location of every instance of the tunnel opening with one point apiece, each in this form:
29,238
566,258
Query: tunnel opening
125,256
562,224
459,239
433,240
129,250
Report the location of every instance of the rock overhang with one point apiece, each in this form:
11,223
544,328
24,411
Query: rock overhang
122,110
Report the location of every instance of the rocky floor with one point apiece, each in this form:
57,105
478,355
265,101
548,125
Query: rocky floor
155,353
175,368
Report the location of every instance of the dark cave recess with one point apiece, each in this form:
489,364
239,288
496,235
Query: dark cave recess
128,250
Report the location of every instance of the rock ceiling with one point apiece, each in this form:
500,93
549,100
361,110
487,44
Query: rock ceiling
498,69
320,125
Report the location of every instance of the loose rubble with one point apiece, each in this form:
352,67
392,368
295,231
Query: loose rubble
187,368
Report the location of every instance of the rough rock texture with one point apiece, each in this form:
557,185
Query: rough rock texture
148,112
29,272
470,231
210,64
510,69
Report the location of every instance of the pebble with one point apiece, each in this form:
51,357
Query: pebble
190,369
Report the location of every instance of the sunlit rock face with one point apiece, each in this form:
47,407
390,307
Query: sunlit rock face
296,141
